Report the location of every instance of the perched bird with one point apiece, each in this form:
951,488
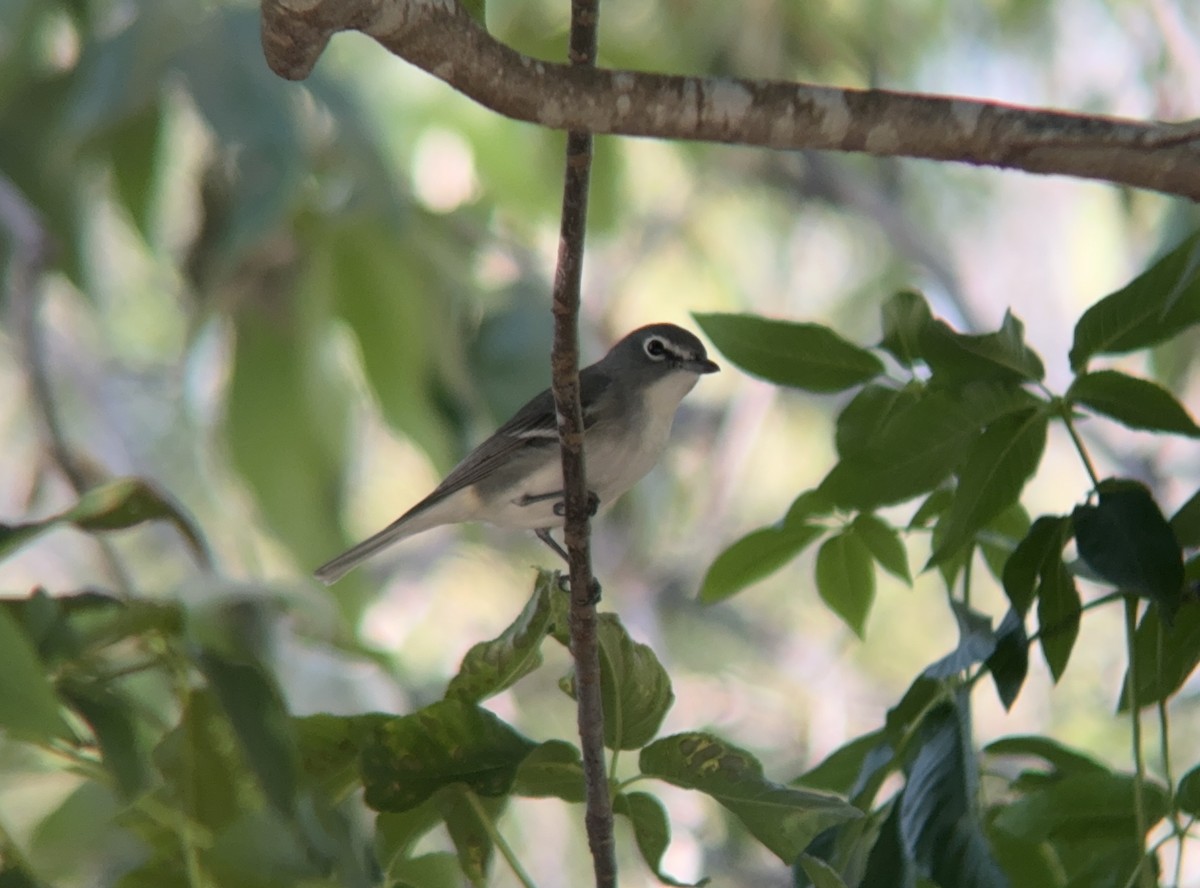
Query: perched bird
514,478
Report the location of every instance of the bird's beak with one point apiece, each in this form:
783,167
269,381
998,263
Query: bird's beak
701,365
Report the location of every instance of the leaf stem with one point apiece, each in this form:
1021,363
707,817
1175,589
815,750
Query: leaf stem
1064,412
498,839
1146,877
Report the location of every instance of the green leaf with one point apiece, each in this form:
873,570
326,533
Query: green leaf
976,642
1064,760
635,687
905,317
846,579
411,757
1009,662
491,666
1126,540
784,819
113,721
888,865
553,769
1188,794
884,543
820,873
1133,402
1096,802
809,504
397,833
330,745
755,557
1161,302
28,708
997,466
1041,546
939,828
957,358
1163,658
259,717
471,836
999,538
917,448
869,413
806,356
651,831
1185,523
1058,615
842,768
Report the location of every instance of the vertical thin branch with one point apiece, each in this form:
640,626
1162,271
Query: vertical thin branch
565,366
1143,872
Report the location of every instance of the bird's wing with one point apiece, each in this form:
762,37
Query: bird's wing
532,432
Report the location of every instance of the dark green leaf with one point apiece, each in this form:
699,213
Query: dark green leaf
784,819
1063,759
1134,317
260,720
999,538
997,466
868,414
1136,403
1041,546
957,358
635,687
651,831
1058,615
1009,662
553,769
806,356
28,708
1188,795
754,557
976,642
888,866
939,829
1163,658
411,757
846,579
810,504
934,505
1126,540
905,317
491,666
1185,523
884,543
922,695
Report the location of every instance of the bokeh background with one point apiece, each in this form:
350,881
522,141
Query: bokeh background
294,306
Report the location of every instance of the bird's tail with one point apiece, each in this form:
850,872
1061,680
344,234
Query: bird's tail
333,570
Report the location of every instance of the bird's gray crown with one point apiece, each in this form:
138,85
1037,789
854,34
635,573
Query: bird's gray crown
663,347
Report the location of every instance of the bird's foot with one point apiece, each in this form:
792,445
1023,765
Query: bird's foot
593,505
594,591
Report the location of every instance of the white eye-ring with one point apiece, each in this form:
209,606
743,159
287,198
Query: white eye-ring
655,348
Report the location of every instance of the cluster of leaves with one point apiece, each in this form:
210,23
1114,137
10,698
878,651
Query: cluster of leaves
240,785
964,429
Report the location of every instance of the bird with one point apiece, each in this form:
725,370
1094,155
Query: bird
514,478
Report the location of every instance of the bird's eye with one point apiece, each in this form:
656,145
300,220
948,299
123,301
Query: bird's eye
655,348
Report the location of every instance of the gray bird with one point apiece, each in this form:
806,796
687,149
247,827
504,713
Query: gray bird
514,478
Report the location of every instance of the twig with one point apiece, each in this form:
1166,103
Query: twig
31,252
440,37
565,365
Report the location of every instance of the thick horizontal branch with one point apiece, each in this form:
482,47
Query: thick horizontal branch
441,38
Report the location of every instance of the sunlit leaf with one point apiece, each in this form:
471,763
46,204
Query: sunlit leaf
471,835
806,356
868,413
28,708
1161,302
634,686
959,358
553,769
491,666
783,818
755,557
1136,403
329,747
885,545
